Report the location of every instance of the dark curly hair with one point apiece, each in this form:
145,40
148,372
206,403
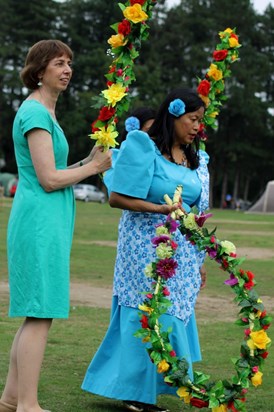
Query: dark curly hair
38,57
162,129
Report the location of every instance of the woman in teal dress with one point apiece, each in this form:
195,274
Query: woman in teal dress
41,221
148,166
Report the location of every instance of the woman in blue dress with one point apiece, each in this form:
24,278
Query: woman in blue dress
41,221
148,166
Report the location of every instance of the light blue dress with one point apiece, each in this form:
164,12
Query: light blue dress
121,368
40,226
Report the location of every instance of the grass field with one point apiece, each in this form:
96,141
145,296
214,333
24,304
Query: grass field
72,343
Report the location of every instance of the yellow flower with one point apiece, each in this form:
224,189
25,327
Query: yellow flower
117,40
213,114
162,230
257,379
114,93
164,251
189,221
146,339
260,339
162,366
233,42
149,270
214,72
228,247
105,137
183,393
205,99
135,13
145,308
221,408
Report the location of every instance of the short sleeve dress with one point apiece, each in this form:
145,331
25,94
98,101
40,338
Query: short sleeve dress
40,226
121,368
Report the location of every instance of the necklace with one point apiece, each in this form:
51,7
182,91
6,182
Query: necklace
184,162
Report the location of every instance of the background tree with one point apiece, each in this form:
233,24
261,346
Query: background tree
179,50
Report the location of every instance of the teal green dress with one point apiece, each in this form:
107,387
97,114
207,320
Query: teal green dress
40,227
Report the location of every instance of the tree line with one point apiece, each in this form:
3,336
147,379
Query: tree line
177,53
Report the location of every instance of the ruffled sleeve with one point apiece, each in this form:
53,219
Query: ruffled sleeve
108,175
134,167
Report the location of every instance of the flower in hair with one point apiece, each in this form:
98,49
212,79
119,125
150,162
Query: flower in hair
132,123
177,107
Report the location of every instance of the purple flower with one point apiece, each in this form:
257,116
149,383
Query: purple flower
200,220
212,253
172,224
160,239
166,268
231,281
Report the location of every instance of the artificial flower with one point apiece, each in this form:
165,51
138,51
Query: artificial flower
220,55
160,239
132,2
166,268
164,251
163,366
257,379
124,27
205,99
172,225
132,123
105,136
117,40
200,219
232,280
220,408
184,393
149,271
114,93
198,403
213,114
190,221
228,247
145,308
233,41
106,113
144,322
260,339
204,87
177,107
166,292
135,13
161,230
214,72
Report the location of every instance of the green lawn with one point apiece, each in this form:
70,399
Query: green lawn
72,343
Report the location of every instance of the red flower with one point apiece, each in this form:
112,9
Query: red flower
172,353
142,2
212,239
220,55
203,88
109,83
199,403
174,245
264,355
124,27
234,36
166,268
93,127
106,113
166,292
144,322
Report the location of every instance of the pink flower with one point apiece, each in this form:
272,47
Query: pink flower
166,268
149,296
200,220
160,239
172,224
255,369
231,281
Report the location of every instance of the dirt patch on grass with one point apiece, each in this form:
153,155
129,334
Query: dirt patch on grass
208,308
248,252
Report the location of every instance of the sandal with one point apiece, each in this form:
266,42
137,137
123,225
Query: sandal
133,406
7,407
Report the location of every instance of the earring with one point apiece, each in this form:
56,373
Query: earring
39,83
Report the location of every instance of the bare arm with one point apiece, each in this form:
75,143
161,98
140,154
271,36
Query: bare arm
41,150
138,205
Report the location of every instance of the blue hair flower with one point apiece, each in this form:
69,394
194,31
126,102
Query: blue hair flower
132,123
177,107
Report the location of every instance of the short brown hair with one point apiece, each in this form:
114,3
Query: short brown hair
38,57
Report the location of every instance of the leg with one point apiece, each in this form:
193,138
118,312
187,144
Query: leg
26,361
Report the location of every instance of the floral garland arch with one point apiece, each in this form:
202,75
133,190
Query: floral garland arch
223,395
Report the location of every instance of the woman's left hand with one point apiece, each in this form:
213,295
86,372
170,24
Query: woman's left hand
203,276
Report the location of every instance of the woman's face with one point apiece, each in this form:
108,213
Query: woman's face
57,74
186,127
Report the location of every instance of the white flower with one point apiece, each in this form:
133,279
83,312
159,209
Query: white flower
162,230
149,271
228,247
164,251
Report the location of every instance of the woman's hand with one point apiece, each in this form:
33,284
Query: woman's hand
203,276
101,159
